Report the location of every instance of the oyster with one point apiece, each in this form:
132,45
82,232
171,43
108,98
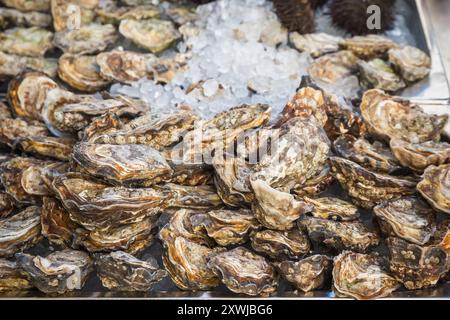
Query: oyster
32,177
408,218
316,184
152,34
226,227
368,188
90,38
11,279
186,262
28,5
333,67
417,266
69,14
307,274
123,272
332,209
6,205
387,118
378,74
346,235
374,156
56,224
362,276
419,156
15,18
127,164
11,64
81,72
12,130
31,42
115,15
27,93
412,63
51,170
5,111
20,232
52,147
316,44
197,197
59,272
291,244
102,124
131,238
164,69
368,47
190,174
435,187
242,271
181,15
125,66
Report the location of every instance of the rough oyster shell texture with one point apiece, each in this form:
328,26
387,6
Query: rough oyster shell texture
333,67
69,14
11,279
28,5
370,46
332,209
316,44
378,74
11,17
31,42
412,63
435,187
12,64
51,147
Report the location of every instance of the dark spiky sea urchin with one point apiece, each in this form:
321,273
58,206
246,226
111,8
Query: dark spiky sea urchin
352,16
295,15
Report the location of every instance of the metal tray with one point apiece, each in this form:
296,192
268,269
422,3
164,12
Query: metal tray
429,92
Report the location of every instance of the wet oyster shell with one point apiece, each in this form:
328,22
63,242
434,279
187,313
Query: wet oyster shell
316,184
12,130
332,209
291,244
368,47
15,18
226,227
347,235
368,188
387,118
51,147
186,262
31,42
121,271
408,218
419,156
181,15
435,187
27,93
242,271
56,224
90,38
202,197
316,44
50,170
191,174
412,63
307,274
11,64
362,276
69,14
102,124
378,74
374,156
28,5
115,15
59,272
128,164
20,232
333,67
81,72
32,177
417,266
6,205
152,34
11,279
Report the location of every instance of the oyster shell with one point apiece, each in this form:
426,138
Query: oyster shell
12,130
417,266
346,235
202,197
408,218
291,244
115,15
31,42
32,177
190,174
307,274
6,205
226,227
333,67
123,272
242,271
435,187
378,74
362,276
316,44
12,17
186,262
51,170
11,65
59,272
56,224
5,111
81,72
374,156
128,164
20,232
103,124
69,14
181,15
152,34
27,93
419,156
28,5
412,63
316,184
52,147
332,209
368,188
89,38
387,118
368,47
11,279
164,69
